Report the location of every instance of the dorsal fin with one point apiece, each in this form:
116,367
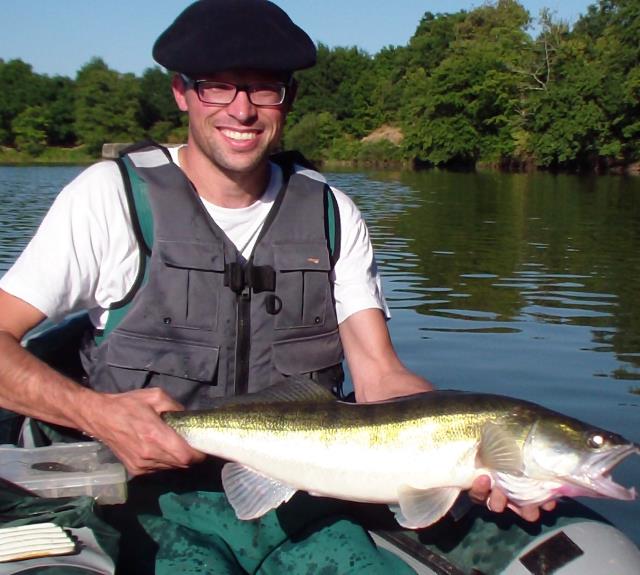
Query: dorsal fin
296,389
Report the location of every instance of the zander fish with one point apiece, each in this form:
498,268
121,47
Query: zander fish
415,454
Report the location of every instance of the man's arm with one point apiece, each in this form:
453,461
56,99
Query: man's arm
128,423
378,373
376,369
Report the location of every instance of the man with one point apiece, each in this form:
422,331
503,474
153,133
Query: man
233,61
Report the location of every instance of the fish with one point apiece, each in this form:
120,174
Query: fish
415,454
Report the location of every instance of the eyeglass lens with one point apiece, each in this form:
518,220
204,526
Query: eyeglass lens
260,94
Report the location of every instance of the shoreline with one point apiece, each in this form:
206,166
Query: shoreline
50,157
79,157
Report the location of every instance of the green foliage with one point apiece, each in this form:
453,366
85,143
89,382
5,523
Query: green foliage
344,148
343,84
379,153
159,115
587,112
59,107
313,135
471,86
107,106
20,89
432,40
465,109
30,130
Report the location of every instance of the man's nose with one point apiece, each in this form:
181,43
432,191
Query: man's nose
241,107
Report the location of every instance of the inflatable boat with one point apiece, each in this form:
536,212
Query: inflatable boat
571,540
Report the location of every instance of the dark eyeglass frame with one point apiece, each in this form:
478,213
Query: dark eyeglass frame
249,89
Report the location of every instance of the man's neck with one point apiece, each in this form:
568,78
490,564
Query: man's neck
220,187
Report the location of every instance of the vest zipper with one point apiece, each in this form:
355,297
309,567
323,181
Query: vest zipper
243,317
243,341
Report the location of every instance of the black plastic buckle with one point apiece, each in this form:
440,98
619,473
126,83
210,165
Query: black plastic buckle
259,278
234,276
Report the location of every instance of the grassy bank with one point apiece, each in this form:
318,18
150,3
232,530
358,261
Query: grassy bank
50,156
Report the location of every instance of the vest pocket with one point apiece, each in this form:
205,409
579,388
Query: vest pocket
184,360
307,354
302,284
189,284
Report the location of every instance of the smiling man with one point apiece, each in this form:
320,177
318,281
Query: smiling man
253,269
235,121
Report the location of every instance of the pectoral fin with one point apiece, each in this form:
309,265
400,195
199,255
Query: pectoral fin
251,494
420,508
499,451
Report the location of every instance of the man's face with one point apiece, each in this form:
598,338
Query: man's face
236,137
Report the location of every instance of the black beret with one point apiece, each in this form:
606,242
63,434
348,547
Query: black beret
212,36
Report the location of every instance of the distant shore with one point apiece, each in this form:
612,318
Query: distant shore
79,155
50,156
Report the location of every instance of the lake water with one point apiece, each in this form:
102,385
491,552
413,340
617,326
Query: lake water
525,285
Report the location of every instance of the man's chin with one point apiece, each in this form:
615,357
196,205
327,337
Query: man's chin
241,162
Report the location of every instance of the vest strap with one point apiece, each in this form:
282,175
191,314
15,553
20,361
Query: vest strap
259,278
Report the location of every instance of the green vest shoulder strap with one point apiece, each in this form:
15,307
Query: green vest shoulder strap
142,221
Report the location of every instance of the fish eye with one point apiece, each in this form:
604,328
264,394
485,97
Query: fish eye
596,441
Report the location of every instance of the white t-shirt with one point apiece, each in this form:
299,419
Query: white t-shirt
84,255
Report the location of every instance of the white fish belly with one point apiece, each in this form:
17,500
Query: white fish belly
348,468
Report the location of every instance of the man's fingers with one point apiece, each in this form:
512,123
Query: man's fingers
137,434
497,501
480,489
527,512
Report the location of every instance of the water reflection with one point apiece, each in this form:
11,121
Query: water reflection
491,253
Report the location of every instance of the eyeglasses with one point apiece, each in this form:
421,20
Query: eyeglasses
223,93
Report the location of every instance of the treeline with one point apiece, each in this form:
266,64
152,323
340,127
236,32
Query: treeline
100,105
470,87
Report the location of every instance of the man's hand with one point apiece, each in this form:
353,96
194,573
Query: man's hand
497,501
130,425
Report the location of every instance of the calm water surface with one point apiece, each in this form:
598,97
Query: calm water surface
525,285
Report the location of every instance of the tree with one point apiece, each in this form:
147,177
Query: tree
387,92
30,130
313,135
587,113
59,104
432,40
566,119
159,114
107,106
21,88
342,84
466,108
615,52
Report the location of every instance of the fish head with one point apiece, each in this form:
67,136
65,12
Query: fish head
576,457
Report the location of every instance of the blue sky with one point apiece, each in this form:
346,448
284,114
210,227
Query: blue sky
60,37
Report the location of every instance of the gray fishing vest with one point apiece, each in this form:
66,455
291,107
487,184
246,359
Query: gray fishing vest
201,324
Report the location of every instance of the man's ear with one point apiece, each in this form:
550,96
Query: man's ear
179,89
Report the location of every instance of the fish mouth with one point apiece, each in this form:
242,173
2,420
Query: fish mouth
596,481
